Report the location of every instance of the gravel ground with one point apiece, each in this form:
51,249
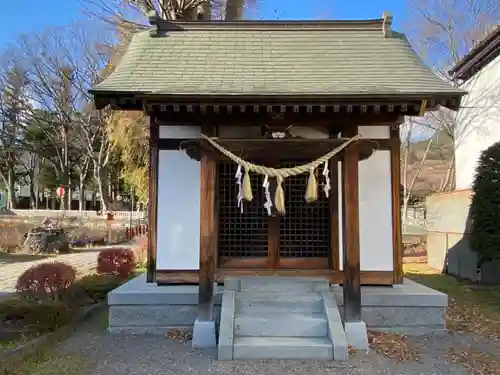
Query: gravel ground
93,351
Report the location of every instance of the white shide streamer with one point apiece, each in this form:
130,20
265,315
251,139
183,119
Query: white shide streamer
326,173
238,176
268,203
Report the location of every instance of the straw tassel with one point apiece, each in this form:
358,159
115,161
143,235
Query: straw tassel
279,196
312,188
247,187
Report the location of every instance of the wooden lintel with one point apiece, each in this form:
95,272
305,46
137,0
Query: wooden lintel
189,277
208,233
153,200
352,280
252,149
330,121
397,242
311,263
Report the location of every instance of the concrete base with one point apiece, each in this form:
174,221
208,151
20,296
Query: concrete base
409,308
204,335
138,307
356,335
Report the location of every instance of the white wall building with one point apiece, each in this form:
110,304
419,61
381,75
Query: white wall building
478,120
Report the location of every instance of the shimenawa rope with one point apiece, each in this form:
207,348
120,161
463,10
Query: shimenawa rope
280,173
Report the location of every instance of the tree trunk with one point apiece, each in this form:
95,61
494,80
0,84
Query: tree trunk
11,190
81,196
33,195
99,177
234,10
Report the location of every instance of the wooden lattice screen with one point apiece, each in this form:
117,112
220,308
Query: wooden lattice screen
304,230
240,235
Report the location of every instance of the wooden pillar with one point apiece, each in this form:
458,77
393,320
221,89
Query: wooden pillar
208,232
153,199
273,227
350,211
333,202
397,242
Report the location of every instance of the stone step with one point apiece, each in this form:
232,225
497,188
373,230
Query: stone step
282,284
251,303
281,325
318,348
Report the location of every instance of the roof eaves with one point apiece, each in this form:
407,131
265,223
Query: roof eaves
478,56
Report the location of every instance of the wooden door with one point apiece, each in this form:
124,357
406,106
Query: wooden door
255,240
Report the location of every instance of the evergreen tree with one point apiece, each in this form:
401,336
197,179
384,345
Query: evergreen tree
485,206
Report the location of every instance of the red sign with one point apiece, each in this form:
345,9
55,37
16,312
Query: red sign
60,191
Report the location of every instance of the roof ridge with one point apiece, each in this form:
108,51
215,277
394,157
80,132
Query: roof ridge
383,24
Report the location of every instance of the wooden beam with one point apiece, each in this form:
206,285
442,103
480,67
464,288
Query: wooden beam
397,242
208,232
249,118
352,280
153,199
189,277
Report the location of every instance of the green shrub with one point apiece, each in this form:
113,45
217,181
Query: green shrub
37,316
97,287
485,206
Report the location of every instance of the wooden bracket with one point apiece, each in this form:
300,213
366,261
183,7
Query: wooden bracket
423,107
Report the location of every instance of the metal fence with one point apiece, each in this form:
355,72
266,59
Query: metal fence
76,213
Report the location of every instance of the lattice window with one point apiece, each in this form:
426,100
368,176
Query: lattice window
305,229
240,235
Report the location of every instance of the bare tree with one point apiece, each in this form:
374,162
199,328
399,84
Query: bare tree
12,120
442,33
128,132
60,66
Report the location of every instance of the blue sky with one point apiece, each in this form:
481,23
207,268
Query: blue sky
14,19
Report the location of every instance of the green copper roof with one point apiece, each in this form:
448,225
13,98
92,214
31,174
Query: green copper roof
254,58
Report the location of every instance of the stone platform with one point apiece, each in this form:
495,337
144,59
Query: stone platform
138,307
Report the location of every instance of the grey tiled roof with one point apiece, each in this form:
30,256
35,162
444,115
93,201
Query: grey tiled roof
349,58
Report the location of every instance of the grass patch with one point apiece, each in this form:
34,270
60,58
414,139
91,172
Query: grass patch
473,309
53,364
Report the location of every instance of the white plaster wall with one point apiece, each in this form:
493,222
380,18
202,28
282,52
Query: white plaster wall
178,230
478,119
375,132
375,207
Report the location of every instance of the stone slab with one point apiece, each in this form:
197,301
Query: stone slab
204,335
357,335
262,303
138,292
408,294
155,315
335,328
319,348
281,324
226,329
257,284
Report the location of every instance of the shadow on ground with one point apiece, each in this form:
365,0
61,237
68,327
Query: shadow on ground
12,258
